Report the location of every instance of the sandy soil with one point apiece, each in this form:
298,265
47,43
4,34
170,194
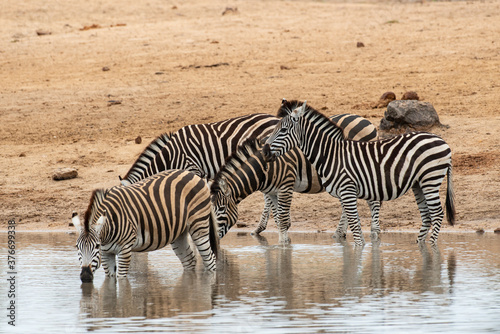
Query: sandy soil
173,63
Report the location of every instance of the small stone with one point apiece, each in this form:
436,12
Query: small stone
138,140
241,225
105,69
410,95
64,174
480,231
43,32
22,155
497,231
230,10
114,102
360,45
384,100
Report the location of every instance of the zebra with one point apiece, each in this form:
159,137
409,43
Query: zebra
204,148
200,148
247,171
162,209
379,171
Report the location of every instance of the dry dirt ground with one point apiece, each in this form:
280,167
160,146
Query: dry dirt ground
174,63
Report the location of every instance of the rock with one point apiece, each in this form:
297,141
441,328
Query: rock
114,102
384,100
230,10
105,69
409,115
43,32
410,95
138,140
360,45
64,174
241,225
497,231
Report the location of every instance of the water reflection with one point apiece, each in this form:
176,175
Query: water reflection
311,284
291,275
149,296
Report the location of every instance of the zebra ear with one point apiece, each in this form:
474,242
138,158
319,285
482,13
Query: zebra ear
299,111
75,219
100,222
283,101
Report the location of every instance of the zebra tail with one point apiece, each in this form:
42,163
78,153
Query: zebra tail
450,200
213,235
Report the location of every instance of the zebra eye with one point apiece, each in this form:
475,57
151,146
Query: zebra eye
97,246
283,130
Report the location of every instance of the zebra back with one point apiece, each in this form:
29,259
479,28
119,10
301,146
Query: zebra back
355,127
202,148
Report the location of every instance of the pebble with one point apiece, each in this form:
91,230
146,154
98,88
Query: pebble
64,174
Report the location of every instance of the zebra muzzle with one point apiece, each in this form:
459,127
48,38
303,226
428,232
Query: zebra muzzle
86,275
268,155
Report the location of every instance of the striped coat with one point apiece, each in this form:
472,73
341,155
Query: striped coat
146,216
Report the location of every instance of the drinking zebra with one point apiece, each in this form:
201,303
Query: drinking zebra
204,148
377,171
148,215
247,171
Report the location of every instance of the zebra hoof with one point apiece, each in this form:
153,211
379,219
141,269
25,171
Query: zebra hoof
339,236
255,232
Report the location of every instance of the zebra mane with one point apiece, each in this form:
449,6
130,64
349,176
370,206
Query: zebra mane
288,106
96,199
249,148
149,153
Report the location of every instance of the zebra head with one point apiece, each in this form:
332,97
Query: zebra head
88,246
224,206
286,134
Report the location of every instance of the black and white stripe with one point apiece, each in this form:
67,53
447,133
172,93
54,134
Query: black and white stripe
377,171
148,215
202,148
247,171
136,172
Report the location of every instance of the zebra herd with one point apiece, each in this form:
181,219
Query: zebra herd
190,182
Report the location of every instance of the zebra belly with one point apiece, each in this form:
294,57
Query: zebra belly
147,242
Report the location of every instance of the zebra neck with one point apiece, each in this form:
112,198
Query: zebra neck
320,139
248,178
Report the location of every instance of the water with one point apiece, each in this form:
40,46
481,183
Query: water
315,285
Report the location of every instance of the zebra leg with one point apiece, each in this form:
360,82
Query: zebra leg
108,261
268,205
341,231
424,213
182,248
375,226
201,239
283,215
124,257
350,206
436,212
